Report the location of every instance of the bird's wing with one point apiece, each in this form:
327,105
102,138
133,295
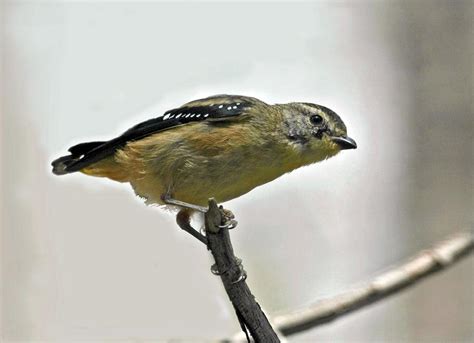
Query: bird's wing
215,108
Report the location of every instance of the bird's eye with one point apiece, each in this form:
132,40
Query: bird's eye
316,119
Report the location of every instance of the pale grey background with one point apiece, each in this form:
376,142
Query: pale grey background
83,259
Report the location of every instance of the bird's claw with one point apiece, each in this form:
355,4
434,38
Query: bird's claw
228,221
242,273
229,224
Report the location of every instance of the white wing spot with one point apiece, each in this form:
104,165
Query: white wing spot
234,107
206,115
187,115
192,115
166,116
198,115
179,115
229,108
221,106
238,104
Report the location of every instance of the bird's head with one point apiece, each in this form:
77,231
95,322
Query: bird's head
315,131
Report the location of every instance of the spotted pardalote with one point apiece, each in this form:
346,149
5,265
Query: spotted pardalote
222,147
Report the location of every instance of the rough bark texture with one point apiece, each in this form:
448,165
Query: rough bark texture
248,311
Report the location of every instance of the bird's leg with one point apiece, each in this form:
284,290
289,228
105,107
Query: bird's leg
183,219
167,199
229,222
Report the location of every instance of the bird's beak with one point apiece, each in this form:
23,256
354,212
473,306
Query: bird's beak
345,142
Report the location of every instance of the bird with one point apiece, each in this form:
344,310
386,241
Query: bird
220,147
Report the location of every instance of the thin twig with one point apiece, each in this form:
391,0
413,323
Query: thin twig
425,263
248,311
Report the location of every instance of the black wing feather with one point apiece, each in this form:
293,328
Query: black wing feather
85,154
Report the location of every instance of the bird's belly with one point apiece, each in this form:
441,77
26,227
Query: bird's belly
210,178
222,188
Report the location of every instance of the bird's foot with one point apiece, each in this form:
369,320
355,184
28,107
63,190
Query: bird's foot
184,217
240,277
228,221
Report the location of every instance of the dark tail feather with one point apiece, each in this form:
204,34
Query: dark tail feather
84,148
60,165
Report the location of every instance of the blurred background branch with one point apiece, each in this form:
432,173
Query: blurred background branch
425,263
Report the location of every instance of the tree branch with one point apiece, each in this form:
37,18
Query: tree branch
229,268
425,263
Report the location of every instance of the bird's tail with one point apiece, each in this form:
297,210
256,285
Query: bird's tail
60,165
